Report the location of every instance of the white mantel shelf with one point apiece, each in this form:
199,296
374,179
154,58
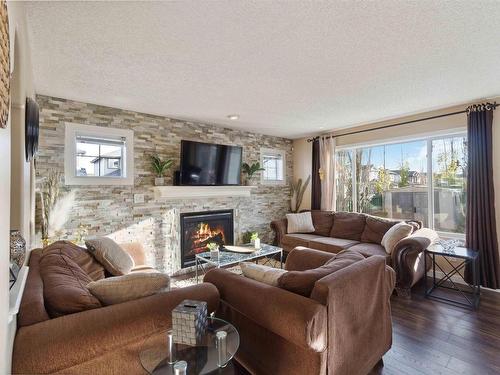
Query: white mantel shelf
183,192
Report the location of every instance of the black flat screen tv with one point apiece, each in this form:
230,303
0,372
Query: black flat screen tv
206,164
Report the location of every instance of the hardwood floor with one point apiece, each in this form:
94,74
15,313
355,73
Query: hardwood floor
431,337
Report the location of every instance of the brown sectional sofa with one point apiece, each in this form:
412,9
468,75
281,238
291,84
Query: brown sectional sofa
343,327
100,340
337,231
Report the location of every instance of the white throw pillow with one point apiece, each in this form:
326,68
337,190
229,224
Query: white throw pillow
107,252
118,289
264,274
395,234
300,223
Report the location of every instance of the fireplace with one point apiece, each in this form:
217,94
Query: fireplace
198,229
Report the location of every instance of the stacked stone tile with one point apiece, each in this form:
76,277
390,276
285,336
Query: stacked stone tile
110,210
189,322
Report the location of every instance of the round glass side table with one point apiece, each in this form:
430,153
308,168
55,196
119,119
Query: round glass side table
201,359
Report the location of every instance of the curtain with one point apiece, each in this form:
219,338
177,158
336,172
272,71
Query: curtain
327,173
480,223
316,181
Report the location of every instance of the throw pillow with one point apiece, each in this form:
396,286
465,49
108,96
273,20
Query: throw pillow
64,286
118,289
107,252
348,225
302,282
264,274
395,234
300,223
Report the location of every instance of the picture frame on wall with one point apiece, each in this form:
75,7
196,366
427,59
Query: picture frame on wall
4,65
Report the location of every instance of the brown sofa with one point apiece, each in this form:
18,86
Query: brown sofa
344,327
103,340
337,231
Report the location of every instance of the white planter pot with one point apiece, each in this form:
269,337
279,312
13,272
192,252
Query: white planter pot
159,181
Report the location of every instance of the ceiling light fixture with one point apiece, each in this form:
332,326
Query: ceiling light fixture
233,117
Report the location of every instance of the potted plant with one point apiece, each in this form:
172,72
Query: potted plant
255,240
159,167
213,247
250,170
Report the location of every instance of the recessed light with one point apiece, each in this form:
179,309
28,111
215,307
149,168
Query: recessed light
233,117
321,127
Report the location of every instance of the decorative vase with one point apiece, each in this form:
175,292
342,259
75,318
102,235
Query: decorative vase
256,243
159,181
17,248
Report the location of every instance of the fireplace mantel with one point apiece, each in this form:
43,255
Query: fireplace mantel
183,192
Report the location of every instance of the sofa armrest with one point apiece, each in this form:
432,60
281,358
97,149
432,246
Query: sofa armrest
407,257
359,315
297,319
60,343
280,229
302,258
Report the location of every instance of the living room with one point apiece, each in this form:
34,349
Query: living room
314,184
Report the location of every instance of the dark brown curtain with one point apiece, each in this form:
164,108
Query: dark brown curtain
316,182
481,232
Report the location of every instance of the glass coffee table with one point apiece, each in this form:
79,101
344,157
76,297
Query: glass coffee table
230,258
203,358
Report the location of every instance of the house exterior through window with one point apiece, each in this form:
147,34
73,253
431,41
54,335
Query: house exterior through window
422,179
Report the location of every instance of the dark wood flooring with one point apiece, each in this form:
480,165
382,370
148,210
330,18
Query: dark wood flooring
431,337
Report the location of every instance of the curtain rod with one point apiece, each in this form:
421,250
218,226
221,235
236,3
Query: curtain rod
492,105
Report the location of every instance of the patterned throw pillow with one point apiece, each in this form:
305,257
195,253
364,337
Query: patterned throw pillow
264,274
395,234
300,223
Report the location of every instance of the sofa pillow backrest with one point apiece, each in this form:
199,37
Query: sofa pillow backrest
302,282
348,225
375,228
323,222
79,255
65,286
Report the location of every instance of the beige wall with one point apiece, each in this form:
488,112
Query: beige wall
15,181
302,164
440,125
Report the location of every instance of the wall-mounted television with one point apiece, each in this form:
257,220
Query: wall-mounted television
209,164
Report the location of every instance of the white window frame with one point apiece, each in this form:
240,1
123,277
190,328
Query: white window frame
72,130
270,151
429,138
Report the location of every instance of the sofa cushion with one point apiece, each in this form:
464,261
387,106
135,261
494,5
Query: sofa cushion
298,239
259,272
302,282
369,249
322,221
79,255
118,289
300,223
111,255
375,228
65,285
348,225
395,234
331,245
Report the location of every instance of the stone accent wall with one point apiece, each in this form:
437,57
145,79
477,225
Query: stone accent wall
110,210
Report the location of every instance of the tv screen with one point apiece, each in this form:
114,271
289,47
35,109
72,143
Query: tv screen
210,164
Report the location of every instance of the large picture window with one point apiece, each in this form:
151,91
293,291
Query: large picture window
422,179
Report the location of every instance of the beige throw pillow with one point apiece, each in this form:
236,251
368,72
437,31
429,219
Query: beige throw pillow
395,234
300,223
118,289
107,252
264,274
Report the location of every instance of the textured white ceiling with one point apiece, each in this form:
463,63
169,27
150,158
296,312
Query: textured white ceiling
288,68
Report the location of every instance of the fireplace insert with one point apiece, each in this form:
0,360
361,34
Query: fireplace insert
198,229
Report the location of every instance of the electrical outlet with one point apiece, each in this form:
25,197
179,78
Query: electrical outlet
138,198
